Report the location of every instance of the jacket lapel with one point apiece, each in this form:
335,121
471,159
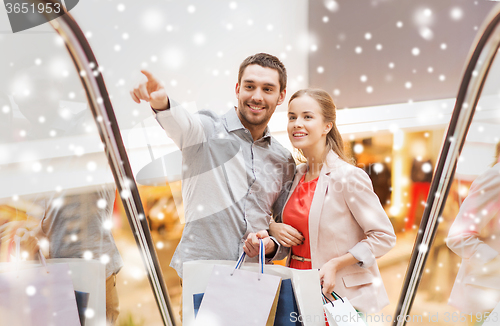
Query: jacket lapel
316,211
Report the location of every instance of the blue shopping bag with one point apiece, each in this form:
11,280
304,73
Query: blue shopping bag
82,301
287,306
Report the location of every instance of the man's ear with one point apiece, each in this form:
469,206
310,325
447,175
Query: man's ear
282,97
237,90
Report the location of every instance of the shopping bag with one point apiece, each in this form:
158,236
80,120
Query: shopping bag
287,306
493,317
305,283
82,301
237,297
37,296
197,298
340,312
86,275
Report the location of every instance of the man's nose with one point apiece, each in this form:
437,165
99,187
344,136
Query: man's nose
257,95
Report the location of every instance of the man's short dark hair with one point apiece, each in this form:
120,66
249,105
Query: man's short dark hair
267,61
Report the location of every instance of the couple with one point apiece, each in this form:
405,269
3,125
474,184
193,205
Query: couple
237,177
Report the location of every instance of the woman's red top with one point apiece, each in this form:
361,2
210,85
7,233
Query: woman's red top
296,214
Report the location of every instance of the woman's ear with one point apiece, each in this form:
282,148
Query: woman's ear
328,127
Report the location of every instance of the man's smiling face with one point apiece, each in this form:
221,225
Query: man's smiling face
258,94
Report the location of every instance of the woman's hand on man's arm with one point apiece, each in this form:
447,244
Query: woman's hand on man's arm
286,235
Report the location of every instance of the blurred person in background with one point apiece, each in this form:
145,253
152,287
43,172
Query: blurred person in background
475,237
75,222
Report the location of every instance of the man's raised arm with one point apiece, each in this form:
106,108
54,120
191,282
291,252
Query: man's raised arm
151,91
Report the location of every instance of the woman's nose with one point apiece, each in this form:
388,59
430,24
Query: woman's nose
297,124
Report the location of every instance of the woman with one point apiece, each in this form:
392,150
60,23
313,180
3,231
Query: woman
475,237
333,221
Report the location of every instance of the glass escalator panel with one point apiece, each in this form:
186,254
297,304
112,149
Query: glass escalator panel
57,186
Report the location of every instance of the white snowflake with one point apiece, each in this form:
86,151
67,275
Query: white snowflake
30,290
104,259
102,203
331,5
456,13
89,313
426,33
152,20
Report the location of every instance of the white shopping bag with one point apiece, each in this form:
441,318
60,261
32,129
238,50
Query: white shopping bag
494,317
306,287
37,296
341,313
87,276
236,297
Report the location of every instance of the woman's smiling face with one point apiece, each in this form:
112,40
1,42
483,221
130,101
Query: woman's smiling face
306,126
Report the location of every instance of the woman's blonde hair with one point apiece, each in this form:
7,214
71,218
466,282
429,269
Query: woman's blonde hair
334,140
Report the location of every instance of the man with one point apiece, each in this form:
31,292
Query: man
235,174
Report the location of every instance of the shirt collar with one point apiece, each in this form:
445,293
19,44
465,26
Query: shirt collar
233,122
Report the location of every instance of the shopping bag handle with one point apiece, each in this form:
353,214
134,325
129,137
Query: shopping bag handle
17,241
334,295
241,260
